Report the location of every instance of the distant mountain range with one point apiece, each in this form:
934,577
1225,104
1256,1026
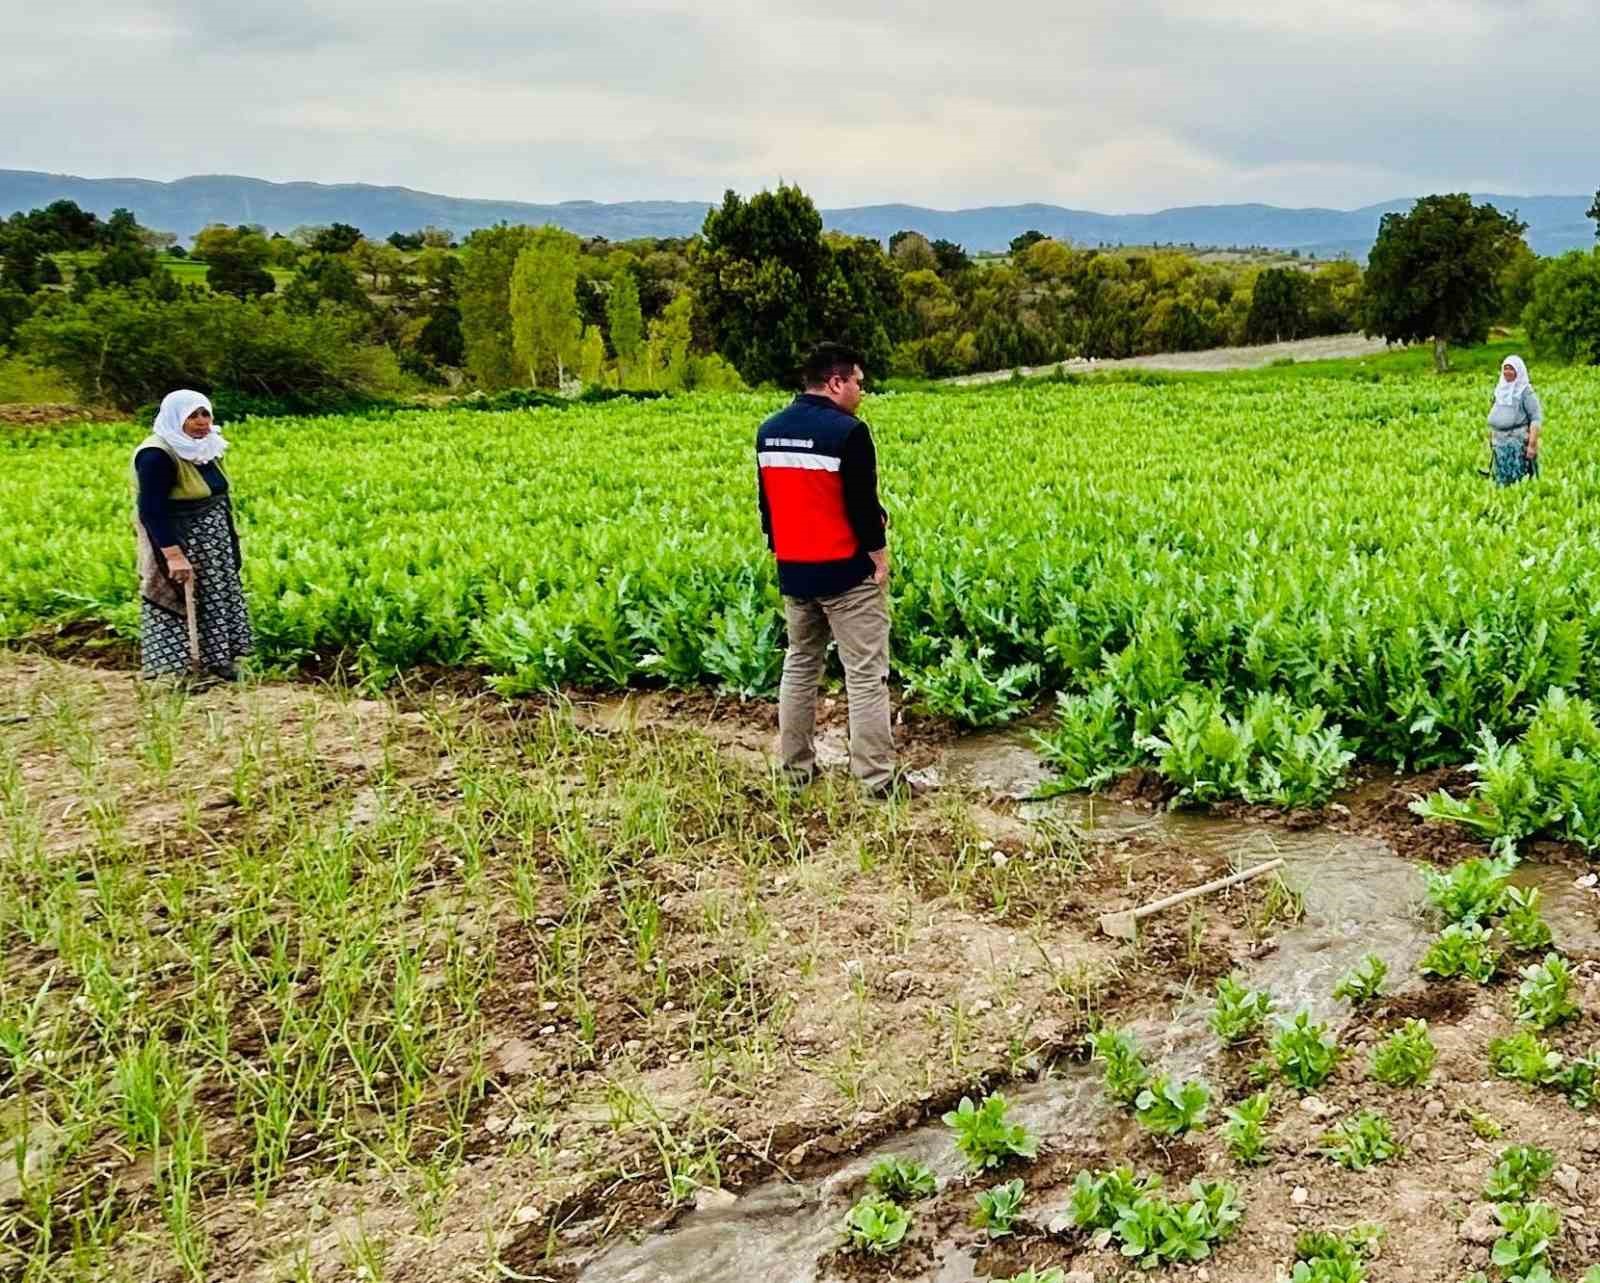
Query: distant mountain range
1555,223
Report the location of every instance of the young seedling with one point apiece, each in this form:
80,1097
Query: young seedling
998,1208
902,1179
1322,1257
1523,922
1405,1058
1363,983
1472,891
1462,950
985,1137
1098,1199
1302,1054
1526,1233
1526,1058
1171,1109
1031,1275
1359,1142
1239,1013
1544,998
1126,1072
1245,1131
876,1226
1518,1173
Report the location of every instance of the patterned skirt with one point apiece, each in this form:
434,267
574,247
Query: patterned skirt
220,613
1511,462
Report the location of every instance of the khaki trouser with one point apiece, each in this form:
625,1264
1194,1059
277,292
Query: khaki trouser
858,621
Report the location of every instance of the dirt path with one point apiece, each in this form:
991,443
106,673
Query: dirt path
1217,358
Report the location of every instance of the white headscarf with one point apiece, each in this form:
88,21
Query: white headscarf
177,407
1511,393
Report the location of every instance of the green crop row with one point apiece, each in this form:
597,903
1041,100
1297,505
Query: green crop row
1239,580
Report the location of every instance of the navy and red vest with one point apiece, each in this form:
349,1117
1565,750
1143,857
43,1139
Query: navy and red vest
817,478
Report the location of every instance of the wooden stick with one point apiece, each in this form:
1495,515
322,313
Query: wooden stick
194,627
1124,925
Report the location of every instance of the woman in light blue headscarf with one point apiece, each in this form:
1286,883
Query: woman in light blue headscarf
1515,417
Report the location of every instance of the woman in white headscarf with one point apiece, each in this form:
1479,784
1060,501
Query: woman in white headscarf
187,544
1515,417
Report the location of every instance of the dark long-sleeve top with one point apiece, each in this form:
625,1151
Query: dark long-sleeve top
817,490
158,474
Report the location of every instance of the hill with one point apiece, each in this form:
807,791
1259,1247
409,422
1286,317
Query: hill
184,206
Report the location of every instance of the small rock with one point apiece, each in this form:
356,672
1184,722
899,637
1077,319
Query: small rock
1299,1196
523,1215
1079,1276
547,1031
1480,1227
549,1006
1434,1109
1203,1274
494,1124
1317,1107
708,1199
633,1046
1567,1178
981,1006
1339,808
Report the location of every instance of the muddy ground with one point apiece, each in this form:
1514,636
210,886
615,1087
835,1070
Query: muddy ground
771,988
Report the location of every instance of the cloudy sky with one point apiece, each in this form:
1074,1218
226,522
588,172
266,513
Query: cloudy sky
1124,106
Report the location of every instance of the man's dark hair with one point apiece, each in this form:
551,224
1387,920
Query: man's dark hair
827,360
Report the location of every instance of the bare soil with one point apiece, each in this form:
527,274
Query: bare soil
1220,358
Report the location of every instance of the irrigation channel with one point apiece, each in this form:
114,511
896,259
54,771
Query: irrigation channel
1360,898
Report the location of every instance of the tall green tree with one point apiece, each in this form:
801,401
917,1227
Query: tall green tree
1563,318
626,323
1434,273
670,335
545,327
761,276
592,357
1280,306
1594,213
485,302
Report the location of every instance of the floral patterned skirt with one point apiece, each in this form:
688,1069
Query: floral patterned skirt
1511,462
220,613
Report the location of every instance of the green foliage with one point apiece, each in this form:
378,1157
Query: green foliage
1472,891
876,1226
985,1137
1525,1057
546,329
1273,752
1126,1072
1462,951
1364,983
1361,1141
1527,1230
1052,1274
1239,1013
1547,781
1245,1131
1302,1053
1132,1212
998,1208
1518,1173
487,259
1544,998
1172,1109
1434,272
1563,316
1405,1058
902,1179
1523,922
965,687
1325,1257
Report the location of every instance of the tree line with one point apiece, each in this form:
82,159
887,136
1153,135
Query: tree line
326,317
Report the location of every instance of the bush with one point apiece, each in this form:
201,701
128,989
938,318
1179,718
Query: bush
129,347
1563,319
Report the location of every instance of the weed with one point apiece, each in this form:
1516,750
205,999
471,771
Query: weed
1462,950
1172,1109
984,1136
1245,1131
1363,983
1360,1141
998,1208
1523,922
902,1179
1544,998
1239,1013
1518,1173
1126,1072
1405,1058
876,1226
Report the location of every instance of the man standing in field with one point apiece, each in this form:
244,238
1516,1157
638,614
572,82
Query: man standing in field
817,477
